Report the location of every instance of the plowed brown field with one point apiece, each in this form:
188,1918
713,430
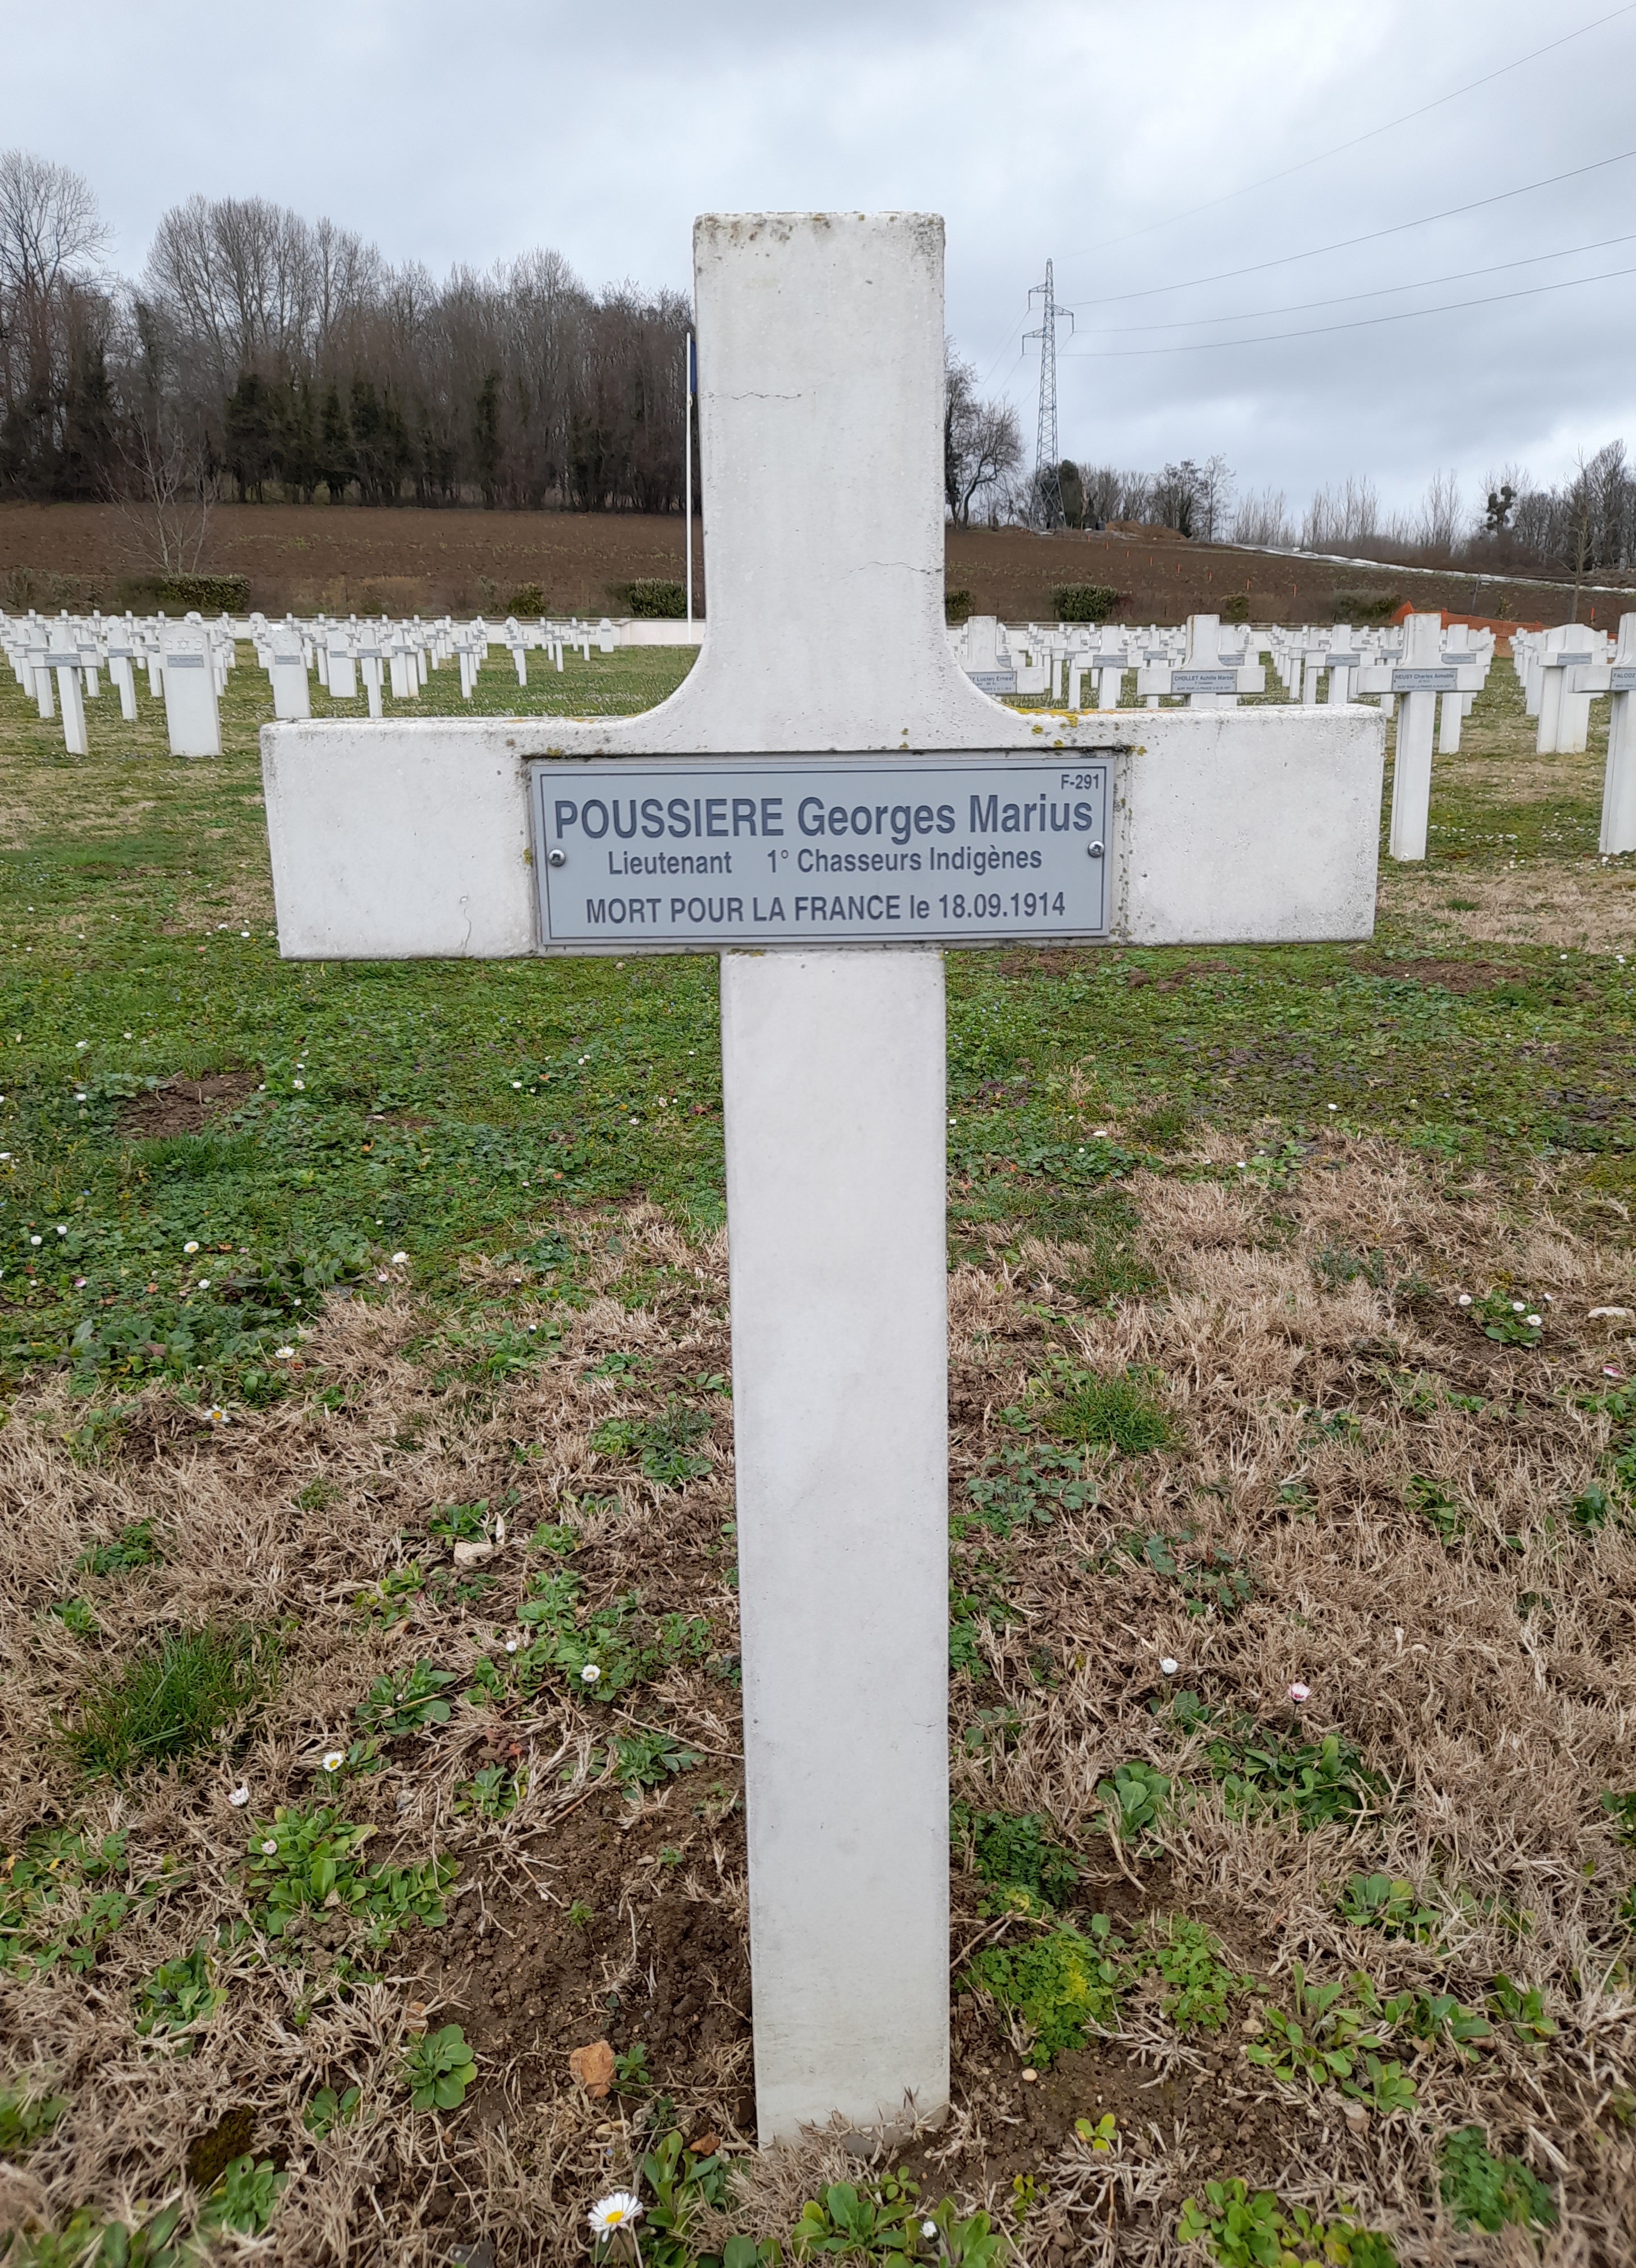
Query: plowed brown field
345,558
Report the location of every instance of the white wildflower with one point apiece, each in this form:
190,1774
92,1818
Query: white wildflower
240,1796
1299,1693
620,2210
333,1758
1168,1666
590,1673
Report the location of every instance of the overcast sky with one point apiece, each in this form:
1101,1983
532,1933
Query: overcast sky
1084,132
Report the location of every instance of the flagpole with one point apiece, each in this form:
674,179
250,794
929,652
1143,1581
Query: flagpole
687,415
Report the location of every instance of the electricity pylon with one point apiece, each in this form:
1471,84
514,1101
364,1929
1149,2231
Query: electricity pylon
1048,506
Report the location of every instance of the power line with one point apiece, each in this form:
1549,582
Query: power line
1346,299
1338,148
1108,243
1364,323
1373,236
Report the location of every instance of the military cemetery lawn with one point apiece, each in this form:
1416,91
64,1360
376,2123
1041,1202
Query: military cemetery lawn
372,1796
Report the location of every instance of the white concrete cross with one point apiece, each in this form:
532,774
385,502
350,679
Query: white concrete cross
1414,679
1616,677
1564,712
64,658
821,355
1203,674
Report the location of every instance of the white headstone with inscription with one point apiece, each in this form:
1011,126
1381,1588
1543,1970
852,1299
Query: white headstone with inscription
192,716
827,811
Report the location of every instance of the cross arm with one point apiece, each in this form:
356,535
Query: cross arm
413,840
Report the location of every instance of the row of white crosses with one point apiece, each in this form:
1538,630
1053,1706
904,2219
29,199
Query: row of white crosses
59,661
1059,659
1210,666
1563,670
820,346
340,654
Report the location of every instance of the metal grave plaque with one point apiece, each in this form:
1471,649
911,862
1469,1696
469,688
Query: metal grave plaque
1426,680
993,680
1622,679
766,850
1204,680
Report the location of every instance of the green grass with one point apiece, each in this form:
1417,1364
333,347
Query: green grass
171,1702
1114,1413
424,1120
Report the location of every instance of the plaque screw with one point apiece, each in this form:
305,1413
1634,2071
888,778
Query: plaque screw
559,857
1093,850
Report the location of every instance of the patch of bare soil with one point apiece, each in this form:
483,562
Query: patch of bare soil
185,1106
540,1968
1448,975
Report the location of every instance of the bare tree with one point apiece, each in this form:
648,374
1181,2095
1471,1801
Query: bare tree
51,232
1342,519
982,440
1175,496
1215,495
1442,514
163,497
1263,520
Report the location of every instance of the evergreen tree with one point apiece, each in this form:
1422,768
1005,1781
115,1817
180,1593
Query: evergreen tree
337,461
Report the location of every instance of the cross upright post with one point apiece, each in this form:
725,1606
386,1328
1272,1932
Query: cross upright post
828,822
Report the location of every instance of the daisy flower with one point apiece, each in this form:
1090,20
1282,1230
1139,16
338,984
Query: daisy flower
620,2210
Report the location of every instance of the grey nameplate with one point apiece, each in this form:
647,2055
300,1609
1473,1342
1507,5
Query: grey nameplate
1426,680
184,661
1342,660
1622,678
1204,680
1567,661
993,680
770,850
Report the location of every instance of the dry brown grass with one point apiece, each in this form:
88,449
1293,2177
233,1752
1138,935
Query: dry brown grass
1579,905
1493,1730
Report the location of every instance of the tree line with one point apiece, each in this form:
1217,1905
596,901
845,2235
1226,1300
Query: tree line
259,354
